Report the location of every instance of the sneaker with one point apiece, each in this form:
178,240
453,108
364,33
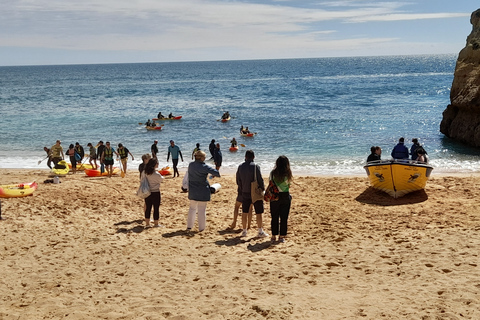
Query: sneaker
282,240
262,234
244,233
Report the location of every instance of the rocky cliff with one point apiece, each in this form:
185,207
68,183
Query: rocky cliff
461,119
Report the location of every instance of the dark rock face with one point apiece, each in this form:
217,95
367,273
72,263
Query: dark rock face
461,119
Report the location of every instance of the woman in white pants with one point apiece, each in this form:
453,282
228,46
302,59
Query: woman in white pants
199,190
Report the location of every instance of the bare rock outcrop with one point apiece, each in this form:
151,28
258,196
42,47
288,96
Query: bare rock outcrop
461,118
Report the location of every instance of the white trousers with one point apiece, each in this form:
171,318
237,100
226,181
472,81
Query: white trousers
200,208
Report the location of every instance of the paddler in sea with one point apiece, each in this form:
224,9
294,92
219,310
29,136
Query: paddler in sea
160,115
124,152
233,142
107,158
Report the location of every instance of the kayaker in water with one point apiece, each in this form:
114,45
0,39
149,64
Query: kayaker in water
226,115
160,115
170,116
233,142
148,123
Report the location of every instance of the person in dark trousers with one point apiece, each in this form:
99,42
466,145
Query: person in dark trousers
245,176
281,175
175,152
154,149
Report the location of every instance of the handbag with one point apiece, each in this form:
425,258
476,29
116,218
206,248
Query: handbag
255,191
144,190
271,194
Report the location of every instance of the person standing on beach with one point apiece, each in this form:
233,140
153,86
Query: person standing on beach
153,200
400,151
80,151
211,147
245,176
71,153
57,152
154,149
93,155
100,149
124,152
49,157
281,175
107,158
175,151
217,156
197,148
199,190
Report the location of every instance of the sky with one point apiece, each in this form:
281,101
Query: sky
46,32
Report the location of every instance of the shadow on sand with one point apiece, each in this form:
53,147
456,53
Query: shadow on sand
380,198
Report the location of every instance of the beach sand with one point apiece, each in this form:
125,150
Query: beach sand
77,250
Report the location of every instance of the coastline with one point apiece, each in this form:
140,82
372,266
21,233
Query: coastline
79,249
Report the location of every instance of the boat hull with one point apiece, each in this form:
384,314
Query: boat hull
398,178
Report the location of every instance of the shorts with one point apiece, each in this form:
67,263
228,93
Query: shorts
247,201
124,160
108,162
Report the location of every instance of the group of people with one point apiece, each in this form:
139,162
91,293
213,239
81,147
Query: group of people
401,152
244,130
101,152
161,116
199,192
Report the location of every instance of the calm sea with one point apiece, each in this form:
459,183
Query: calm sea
324,114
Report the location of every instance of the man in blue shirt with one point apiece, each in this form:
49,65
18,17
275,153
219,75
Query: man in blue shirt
400,151
175,151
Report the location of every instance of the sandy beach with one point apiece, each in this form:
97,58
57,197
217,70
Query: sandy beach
78,250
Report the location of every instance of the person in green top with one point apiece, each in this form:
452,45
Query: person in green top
107,158
57,152
124,152
281,175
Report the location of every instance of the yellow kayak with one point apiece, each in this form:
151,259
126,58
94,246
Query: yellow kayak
61,172
18,190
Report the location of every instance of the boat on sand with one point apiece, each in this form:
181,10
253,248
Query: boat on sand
398,177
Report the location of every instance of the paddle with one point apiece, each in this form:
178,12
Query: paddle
122,174
241,144
40,161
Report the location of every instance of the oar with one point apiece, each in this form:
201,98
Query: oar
241,144
40,161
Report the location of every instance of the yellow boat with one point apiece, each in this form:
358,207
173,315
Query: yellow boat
17,190
398,177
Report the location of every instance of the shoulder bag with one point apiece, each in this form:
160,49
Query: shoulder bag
255,191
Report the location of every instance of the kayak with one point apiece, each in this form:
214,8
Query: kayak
233,149
154,128
61,172
82,166
18,190
251,134
173,118
226,119
165,171
98,173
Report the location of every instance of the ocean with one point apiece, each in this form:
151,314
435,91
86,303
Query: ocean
324,114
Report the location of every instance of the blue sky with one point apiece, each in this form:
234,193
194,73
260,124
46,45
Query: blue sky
37,32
